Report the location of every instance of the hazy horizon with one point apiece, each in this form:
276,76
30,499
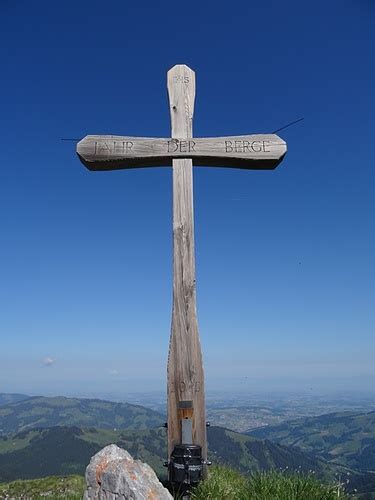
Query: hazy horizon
272,387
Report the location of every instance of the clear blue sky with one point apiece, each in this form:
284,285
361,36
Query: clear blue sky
285,258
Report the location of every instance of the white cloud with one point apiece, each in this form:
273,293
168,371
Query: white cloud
113,372
48,361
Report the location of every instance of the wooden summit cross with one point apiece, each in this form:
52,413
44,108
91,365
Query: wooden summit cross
186,404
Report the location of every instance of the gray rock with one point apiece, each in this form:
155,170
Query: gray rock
113,474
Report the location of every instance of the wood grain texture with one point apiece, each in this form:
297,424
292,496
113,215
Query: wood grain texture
182,151
108,152
185,366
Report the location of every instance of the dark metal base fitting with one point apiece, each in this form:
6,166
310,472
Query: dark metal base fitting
186,464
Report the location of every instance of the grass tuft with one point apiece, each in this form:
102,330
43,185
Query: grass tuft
223,483
226,484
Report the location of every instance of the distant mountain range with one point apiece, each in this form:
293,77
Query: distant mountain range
346,438
37,412
11,398
67,450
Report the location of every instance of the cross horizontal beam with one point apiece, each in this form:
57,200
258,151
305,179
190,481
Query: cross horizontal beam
110,152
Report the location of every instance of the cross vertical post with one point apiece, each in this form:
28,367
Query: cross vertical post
186,405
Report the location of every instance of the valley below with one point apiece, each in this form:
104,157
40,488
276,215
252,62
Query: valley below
57,436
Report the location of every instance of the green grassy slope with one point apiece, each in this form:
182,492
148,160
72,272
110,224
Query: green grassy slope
67,450
345,438
36,412
68,488
245,454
